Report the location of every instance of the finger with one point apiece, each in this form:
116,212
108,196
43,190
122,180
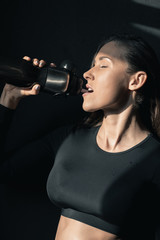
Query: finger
35,61
36,88
34,91
27,58
42,63
52,65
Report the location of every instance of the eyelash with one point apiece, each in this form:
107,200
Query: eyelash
103,66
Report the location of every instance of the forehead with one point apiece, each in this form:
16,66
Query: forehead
112,50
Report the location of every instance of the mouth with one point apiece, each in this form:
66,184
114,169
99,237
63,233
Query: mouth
86,90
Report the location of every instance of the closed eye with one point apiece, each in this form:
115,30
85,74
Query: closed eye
103,66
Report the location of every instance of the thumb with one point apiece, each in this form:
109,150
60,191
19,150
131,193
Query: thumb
36,89
33,91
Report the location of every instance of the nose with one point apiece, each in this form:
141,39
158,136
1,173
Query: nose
88,75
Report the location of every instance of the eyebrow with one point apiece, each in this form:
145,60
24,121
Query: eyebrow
101,58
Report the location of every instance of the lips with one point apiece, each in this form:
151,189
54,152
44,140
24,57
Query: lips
88,89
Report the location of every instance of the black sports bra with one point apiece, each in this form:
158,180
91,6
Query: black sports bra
109,191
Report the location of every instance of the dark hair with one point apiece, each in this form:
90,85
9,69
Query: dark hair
140,57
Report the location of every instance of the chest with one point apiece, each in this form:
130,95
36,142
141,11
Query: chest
86,177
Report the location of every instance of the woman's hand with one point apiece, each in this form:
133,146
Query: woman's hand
11,95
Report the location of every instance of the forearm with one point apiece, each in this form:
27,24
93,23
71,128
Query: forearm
30,164
27,160
12,95
6,115
33,161
8,101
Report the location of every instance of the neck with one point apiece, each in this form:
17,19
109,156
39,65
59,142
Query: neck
122,129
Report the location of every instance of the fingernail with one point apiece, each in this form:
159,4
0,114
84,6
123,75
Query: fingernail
26,58
37,88
52,64
35,62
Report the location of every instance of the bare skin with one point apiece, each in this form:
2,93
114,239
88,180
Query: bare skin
114,93
74,230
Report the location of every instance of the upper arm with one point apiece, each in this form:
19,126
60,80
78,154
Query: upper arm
34,161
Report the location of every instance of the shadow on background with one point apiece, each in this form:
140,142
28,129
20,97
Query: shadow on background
54,31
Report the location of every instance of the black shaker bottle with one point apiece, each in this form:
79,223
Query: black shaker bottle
22,73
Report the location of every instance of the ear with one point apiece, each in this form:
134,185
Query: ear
137,80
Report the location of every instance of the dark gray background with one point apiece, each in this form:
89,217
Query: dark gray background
54,31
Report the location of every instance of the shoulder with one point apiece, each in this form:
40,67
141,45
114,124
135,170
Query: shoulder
155,142
70,131
84,130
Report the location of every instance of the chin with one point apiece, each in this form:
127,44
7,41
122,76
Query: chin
89,108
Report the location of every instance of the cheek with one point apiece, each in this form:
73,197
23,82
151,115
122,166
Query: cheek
111,93
117,96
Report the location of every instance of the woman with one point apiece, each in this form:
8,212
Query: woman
106,175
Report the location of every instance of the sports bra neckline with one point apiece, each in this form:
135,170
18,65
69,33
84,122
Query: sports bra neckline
122,152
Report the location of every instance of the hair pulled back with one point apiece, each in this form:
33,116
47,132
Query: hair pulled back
140,57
